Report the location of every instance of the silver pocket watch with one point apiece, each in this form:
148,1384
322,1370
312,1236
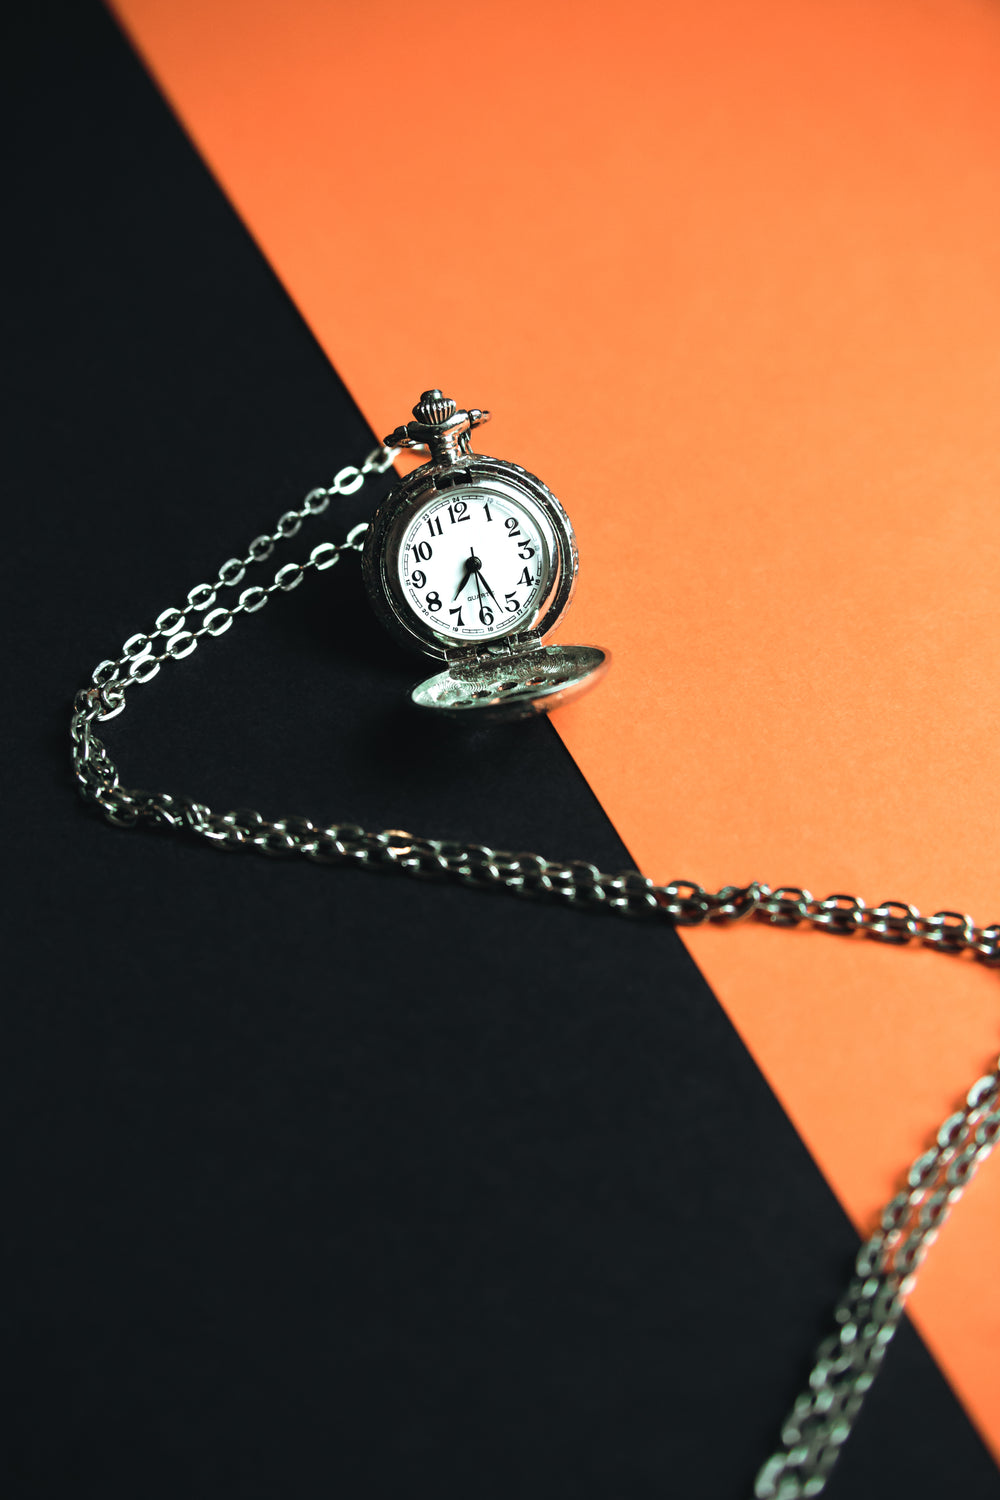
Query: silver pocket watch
473,561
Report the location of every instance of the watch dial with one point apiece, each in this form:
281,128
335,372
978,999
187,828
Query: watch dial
474,564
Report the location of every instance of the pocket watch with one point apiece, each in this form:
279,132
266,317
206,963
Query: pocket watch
473,561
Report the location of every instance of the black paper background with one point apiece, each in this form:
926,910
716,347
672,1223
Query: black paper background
319,1181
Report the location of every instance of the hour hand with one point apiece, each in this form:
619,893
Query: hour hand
472,565
469,570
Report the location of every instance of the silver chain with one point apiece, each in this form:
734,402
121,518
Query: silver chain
867,1317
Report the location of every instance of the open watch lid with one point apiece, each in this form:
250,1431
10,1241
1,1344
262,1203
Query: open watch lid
512,682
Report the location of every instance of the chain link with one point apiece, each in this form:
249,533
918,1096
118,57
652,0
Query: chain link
869,1313
885,1269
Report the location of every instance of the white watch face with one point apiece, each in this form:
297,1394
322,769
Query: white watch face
474,564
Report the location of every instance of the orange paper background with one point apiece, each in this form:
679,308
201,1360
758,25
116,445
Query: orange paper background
728,274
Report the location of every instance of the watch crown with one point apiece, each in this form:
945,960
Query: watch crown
433,408
439,427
